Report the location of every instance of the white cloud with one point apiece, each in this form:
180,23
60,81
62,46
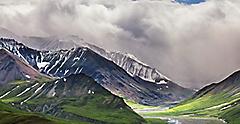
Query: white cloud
193,44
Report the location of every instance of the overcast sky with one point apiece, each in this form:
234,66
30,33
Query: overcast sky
191,44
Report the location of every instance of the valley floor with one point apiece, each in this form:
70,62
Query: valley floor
154,113
149,114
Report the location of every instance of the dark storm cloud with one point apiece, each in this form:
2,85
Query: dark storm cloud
191,44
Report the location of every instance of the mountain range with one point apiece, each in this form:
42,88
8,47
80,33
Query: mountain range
125,60
76,97
84,84
115,71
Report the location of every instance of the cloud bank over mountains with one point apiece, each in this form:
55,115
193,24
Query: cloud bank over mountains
193,44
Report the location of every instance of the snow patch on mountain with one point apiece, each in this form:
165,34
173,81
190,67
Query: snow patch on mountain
42,64
23,92
27,76
162,82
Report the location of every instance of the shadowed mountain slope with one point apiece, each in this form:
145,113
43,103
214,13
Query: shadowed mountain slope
12,68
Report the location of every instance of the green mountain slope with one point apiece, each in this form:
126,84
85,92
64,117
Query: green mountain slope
77,98
221,100
10,115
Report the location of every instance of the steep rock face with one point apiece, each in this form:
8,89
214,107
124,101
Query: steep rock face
63,63
12,68
28,55
75,97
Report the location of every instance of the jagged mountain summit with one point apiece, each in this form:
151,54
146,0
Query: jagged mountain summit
127,61
131,64
63,63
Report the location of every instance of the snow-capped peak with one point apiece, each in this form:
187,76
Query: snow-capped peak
127,61
131,64
132,57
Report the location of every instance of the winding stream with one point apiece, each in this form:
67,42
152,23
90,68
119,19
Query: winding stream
188,120
179,119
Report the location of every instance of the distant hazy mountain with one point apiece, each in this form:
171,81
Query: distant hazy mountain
63,63
8,34
53,42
